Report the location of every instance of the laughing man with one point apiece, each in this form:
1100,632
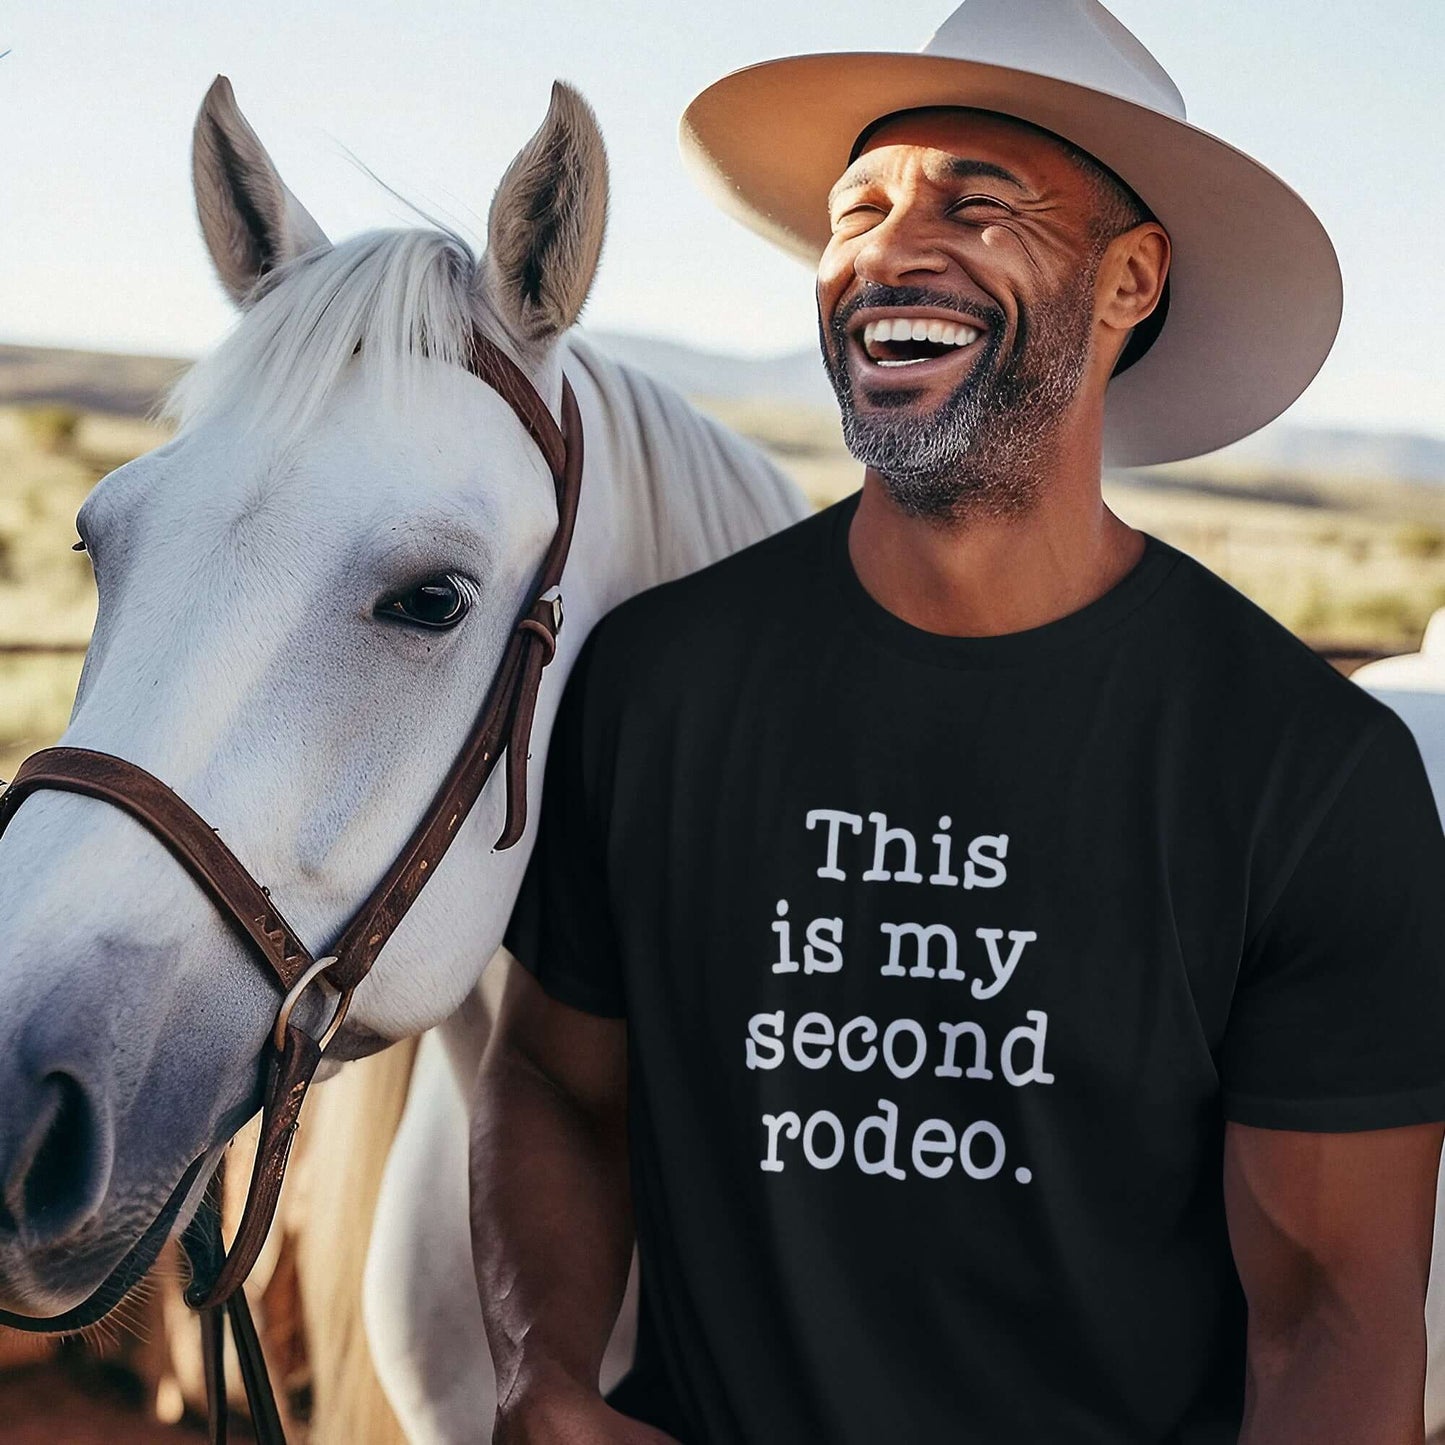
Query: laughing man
993,968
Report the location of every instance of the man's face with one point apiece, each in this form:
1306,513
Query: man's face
955,304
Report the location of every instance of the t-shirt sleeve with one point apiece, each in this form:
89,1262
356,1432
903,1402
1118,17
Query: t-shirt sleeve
1338,1018
561,928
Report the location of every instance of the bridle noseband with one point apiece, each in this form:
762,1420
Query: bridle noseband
503,727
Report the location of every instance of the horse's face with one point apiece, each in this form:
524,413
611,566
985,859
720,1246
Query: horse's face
296,630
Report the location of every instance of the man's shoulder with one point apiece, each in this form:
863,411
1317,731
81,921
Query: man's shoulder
727,599
1259,673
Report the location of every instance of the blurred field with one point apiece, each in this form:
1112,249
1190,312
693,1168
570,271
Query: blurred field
1352,565
50,458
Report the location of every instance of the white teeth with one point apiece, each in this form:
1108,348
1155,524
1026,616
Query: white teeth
901,328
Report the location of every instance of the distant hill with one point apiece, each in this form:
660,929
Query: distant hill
1341,452
131,386
91,380
796,377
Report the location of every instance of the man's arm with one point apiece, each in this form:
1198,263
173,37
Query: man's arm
551,1215
1331,1236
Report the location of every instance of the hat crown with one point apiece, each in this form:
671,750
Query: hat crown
1072,40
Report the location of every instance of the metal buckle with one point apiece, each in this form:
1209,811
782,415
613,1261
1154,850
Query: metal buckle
554,596
338,1015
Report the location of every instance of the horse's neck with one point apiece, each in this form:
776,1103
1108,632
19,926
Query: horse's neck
686,490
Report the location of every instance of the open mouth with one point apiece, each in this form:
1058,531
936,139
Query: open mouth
901,341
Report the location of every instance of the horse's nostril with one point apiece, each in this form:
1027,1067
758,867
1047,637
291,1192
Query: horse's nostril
60,1176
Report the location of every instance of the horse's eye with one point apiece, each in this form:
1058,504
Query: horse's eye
439,602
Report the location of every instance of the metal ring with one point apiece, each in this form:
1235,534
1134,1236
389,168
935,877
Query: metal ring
283,1014
554,595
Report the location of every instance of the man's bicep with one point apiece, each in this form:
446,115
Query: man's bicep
582,1055
1332,1222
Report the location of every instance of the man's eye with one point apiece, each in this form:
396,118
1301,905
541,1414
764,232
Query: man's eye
858,212
978,201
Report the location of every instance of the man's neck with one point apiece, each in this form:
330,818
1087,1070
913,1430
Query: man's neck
986,576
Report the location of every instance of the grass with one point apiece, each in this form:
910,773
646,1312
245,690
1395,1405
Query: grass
35,696
49,461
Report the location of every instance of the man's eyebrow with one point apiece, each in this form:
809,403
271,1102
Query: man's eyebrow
850,180
961,167
957,168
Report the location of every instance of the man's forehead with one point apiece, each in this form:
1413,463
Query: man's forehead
970,142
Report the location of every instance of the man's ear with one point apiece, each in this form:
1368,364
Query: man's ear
1130,284
546,224
251,222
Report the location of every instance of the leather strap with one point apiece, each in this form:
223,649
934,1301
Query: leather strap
260,1398
503,726
290,1075
206,1252
213,1371
191,840
493,366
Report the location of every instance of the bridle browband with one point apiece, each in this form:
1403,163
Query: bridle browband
503,727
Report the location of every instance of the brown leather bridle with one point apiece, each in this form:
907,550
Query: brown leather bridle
292,1055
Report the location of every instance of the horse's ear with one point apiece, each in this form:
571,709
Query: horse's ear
251,222
546,223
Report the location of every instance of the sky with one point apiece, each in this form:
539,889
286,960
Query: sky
99,246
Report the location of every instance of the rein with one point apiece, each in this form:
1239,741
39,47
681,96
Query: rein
291,1056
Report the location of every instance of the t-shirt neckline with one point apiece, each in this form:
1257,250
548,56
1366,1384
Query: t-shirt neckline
1121,601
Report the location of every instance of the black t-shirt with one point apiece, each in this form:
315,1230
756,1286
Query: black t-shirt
944,962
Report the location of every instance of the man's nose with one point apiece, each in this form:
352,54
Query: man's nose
895,249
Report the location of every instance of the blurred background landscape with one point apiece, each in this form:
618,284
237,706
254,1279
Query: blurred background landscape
1339,534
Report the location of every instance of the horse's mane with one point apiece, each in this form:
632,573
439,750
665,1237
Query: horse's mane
387,299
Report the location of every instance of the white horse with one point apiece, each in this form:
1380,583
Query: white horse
303,596
1414,686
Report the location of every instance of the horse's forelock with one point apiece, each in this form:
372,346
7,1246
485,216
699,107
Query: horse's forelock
386,301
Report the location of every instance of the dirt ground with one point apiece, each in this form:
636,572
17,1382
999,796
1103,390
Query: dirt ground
82,1402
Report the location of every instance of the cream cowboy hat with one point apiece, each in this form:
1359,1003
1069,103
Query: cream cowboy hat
1254,283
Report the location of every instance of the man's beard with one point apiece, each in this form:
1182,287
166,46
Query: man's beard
983,450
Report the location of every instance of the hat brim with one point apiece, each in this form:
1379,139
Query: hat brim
1255,287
